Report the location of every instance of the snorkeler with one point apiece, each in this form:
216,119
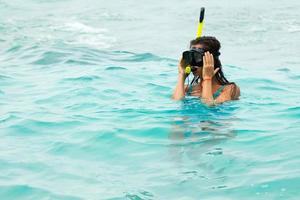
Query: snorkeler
209,82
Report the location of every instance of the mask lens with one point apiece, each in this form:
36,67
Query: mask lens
187,56
198,57
194,56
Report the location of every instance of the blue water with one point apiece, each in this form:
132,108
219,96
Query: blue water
85,108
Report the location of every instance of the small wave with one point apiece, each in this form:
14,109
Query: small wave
8,117
63,97
87,91
263,82
3,77
142,195
51,57
232,66
29,192
118,52
14,48
87,78
111,91
88,35
158,87
145,57
61,148
292,112
293,28
79,62
19,129
112,68
83,106
32,126
284,69
295,77
80,27
5,80
271,88
99,41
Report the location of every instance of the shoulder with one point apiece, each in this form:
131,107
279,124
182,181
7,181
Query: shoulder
232,91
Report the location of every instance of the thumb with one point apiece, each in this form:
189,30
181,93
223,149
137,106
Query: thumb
216,70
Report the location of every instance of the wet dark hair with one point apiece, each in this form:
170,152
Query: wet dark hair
212,45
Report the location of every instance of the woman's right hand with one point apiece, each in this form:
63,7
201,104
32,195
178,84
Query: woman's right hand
181,67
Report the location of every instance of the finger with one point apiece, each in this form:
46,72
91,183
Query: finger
216,70
212,60
204,60
208,59
182,62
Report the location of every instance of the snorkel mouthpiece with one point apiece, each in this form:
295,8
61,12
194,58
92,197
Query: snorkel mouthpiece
188,69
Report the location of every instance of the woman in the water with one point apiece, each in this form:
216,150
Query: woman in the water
209,82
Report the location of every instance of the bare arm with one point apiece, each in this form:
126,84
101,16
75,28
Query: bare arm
179,91
207,95
231,92
208,73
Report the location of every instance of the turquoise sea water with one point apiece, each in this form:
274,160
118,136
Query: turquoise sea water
85,109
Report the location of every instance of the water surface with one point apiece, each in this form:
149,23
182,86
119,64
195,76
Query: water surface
85,109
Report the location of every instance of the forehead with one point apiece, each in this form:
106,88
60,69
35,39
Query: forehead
197,46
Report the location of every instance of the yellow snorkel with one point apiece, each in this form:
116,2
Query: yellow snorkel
201,21
199,33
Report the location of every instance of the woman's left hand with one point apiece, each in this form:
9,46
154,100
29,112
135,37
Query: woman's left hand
208,66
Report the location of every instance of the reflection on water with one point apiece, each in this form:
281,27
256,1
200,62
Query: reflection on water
199,129
196,147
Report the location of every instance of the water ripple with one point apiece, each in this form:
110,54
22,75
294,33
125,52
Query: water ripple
86,113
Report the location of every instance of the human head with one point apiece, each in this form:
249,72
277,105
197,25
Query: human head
211,44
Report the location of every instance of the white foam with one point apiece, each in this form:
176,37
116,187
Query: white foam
80,27
293,28
99,41
87,35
